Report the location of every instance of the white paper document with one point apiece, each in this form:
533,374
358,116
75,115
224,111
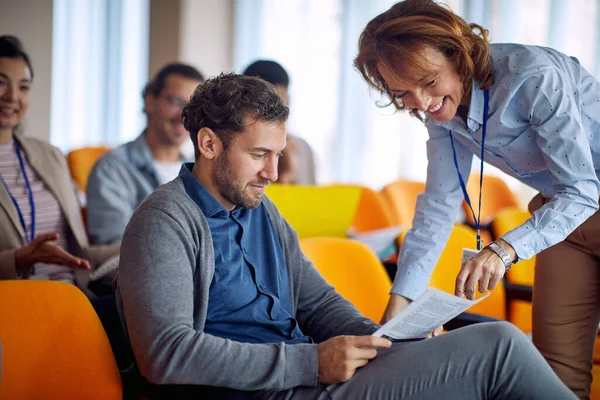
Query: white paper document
429,311
108,267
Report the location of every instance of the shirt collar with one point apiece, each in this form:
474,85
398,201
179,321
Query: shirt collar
209,206
475,116
140,154
477,104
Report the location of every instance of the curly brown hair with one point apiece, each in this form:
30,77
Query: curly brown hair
228,103
396,38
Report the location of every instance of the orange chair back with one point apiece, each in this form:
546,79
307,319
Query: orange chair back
400,197
519,311
354,270
372,212
506,220
81,161
54,345
447,269
496,195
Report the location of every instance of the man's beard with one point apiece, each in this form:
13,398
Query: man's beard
229,184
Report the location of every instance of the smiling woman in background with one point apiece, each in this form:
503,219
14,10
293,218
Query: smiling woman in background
42,235
540,111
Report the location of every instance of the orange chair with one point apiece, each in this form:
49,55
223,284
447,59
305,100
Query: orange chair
519,311
54,344
400,198
506,220
495,195
449,264
595,390
81,161
354,270
372,213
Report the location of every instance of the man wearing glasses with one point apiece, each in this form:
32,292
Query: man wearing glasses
125,176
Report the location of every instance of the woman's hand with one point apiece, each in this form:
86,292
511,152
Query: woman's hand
396,304
43,249
486,269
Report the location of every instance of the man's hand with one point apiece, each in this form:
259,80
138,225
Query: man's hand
339,357
485,269
396,304
43,249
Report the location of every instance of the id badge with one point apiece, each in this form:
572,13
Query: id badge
467,254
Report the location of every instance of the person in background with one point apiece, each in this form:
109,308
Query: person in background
125,176
219,301
534,113
42,235
297,166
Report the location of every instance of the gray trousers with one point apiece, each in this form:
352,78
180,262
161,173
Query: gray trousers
483,361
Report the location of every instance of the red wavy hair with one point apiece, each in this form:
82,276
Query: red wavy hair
396,38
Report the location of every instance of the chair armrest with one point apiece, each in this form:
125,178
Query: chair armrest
515,291
391,268
466,319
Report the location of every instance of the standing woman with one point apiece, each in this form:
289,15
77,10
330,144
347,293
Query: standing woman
42,235
530,111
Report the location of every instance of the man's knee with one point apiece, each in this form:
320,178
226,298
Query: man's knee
503,333
505,329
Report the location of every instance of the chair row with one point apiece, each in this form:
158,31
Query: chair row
394,205
342,207
52,335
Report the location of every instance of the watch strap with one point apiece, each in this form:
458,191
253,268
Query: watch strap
500,252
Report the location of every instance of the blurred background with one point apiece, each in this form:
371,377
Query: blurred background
93,57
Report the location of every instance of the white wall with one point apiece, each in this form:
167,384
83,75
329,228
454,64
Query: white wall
164,33
31,22
204,39
206,35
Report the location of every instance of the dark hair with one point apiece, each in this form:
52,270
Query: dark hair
402,32
270,71
157,84
10,47
225,103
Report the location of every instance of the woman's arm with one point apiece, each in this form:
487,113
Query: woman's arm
549,100
435,213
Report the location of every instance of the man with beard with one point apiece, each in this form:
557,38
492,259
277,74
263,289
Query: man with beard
218,300
125,176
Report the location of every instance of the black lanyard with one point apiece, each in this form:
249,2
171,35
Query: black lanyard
477,219
31,236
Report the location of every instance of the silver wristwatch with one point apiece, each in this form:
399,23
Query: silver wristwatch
496,248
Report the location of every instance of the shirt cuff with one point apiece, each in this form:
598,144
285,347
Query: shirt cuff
525,241
409,284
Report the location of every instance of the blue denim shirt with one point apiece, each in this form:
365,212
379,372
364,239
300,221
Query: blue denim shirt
249,298
543,129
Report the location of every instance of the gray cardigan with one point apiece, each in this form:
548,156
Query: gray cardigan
166,268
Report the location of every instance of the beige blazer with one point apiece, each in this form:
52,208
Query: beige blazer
50,164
